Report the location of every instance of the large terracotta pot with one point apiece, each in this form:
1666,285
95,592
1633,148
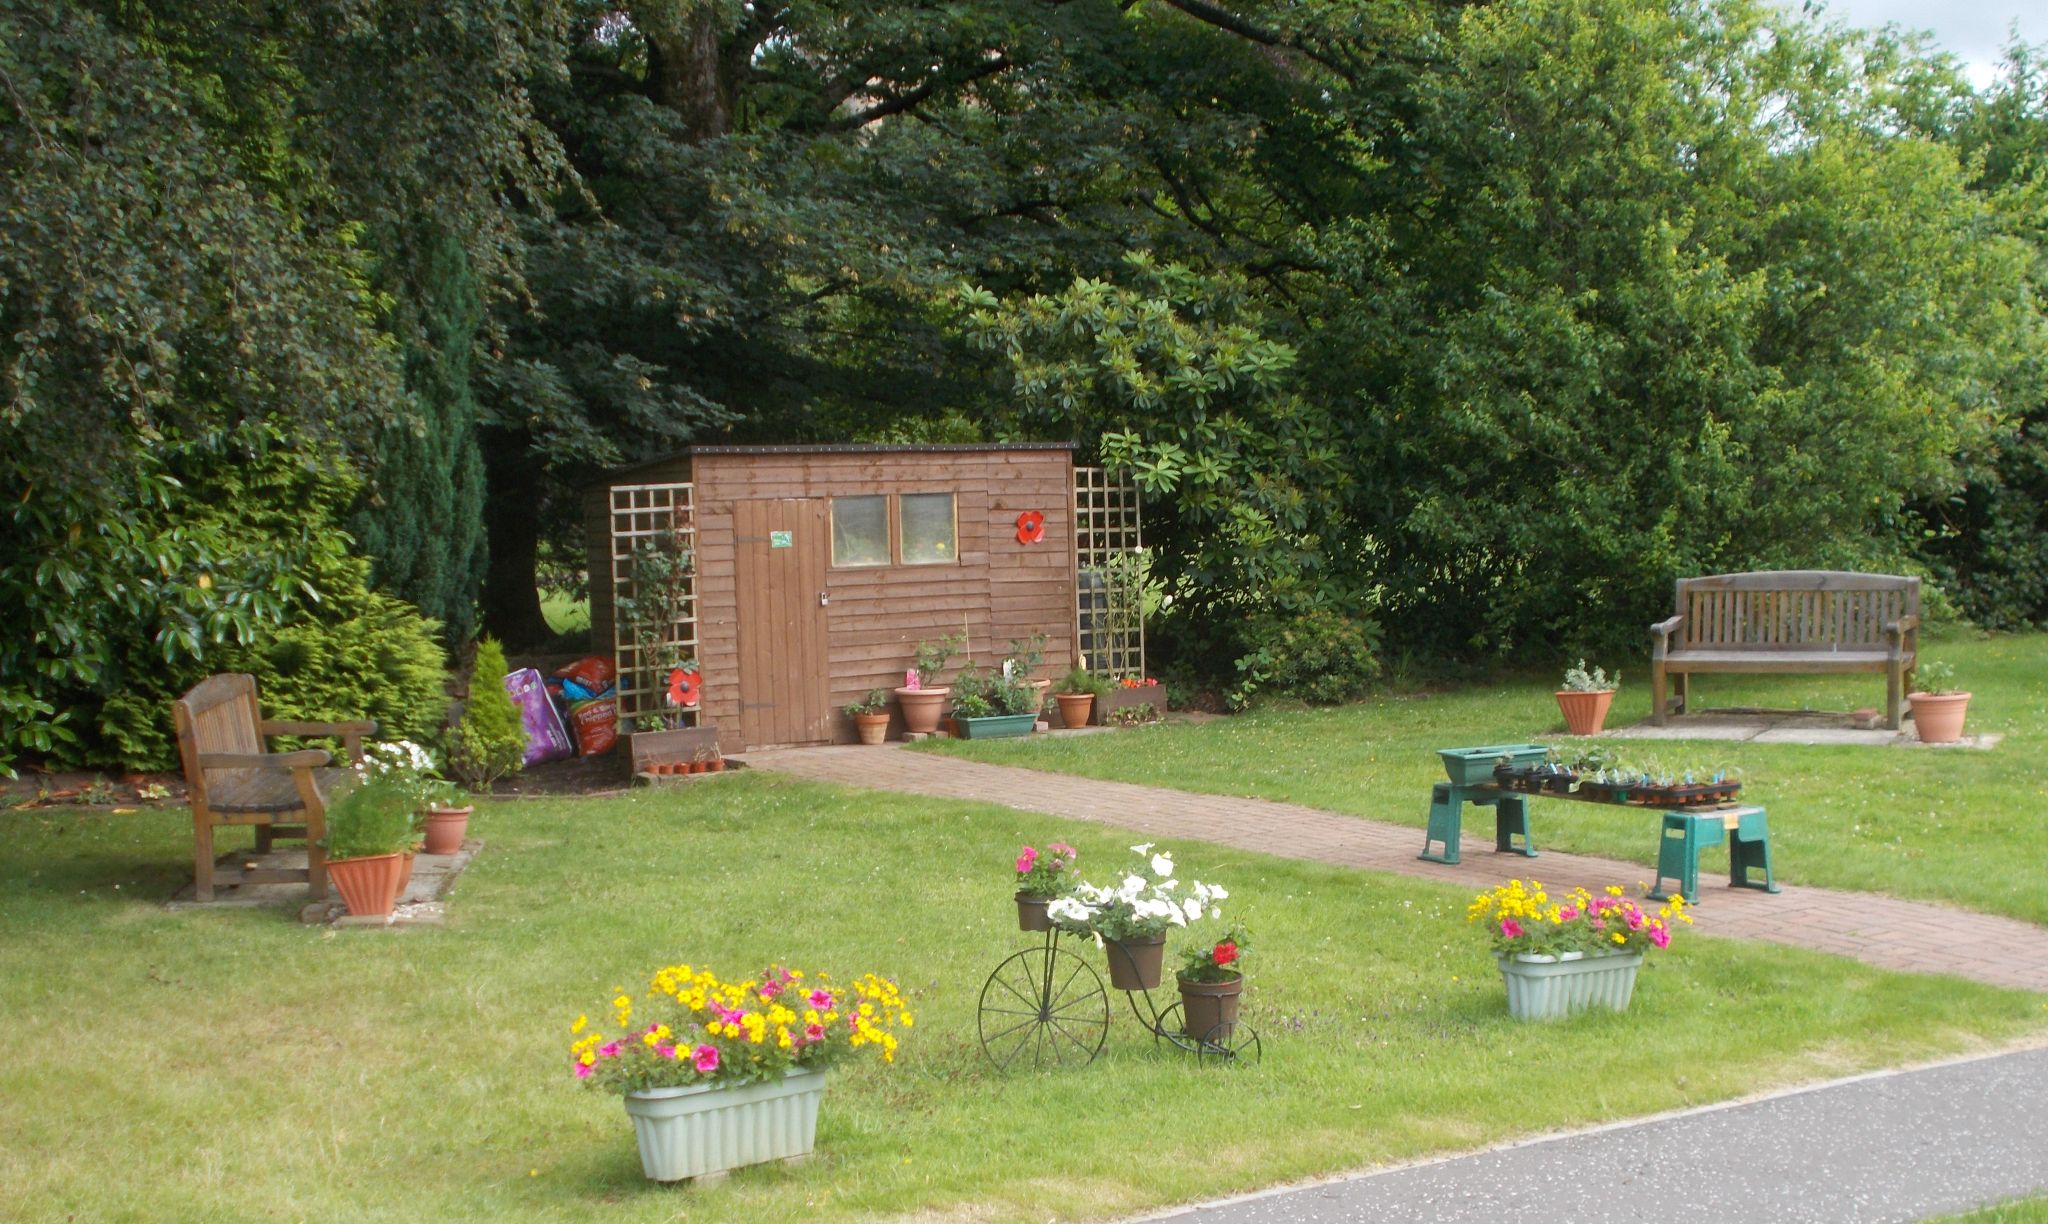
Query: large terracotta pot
1134,964
1585,713
873,728
1209,1009
921,708
369,886
446,827
1938,717
1075,708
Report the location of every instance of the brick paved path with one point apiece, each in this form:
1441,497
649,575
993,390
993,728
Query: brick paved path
1915,936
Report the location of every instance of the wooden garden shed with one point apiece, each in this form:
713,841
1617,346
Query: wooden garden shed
818,569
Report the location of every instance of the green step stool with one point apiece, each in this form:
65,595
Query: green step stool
1747,832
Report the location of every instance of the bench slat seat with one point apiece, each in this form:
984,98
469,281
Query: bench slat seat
245,791
1789,622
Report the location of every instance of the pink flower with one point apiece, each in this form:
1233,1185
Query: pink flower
582,1072
1660,937
821,999
610,1049
1026,860
1510,928
1635,919
665,1050
814,1032
1567,913
770,990
706,1058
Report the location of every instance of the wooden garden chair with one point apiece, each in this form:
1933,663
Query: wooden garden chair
235,780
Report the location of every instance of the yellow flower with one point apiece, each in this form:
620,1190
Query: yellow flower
582,1022
1620,938
907,1021
587,1058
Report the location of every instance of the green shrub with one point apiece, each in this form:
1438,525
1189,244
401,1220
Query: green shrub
1318,656
490,741
374,817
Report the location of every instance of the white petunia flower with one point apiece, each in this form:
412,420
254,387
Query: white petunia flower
1162,865
1144,849
1193,908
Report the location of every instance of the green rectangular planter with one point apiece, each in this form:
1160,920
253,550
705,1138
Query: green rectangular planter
1474,766
996,726
709,1128
1553,987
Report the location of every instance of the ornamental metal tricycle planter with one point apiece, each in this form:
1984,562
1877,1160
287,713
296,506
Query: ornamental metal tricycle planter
1047,1007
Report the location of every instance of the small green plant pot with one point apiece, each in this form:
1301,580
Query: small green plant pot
995,726
709,1128
1474,766
1554,987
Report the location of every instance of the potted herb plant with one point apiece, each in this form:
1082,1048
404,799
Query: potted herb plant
1585,698
1041,879
372,830
441,805
1076,694
870,716
717,1074
1576,953
922,697
1938,705
990,706
1211,980
1132,918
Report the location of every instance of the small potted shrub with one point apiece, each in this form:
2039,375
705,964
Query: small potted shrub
1576,953
1211,980
490,741
922,697
1938,705
1076,694
1132,918
441,805
1585,698
372,830
1022,664
1041,879
717,1074
870,716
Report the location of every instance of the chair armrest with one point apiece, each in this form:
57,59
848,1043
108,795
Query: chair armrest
1662,631
350,731
304,758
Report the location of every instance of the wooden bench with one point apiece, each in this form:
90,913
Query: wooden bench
1794,621
234,780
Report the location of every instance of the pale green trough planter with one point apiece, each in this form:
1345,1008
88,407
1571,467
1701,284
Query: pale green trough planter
1553,987
707,1128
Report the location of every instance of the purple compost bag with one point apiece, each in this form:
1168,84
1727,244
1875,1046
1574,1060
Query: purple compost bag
546,739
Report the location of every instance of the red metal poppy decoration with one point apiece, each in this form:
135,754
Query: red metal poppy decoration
1030,527
683,686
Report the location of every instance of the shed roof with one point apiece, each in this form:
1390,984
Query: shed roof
833,448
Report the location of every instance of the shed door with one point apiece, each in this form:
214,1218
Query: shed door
779,553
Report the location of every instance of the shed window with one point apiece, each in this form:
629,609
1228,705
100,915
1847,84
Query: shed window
860,530
928,533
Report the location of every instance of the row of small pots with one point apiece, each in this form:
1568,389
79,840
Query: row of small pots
676,769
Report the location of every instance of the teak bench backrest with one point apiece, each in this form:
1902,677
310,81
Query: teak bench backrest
218,715
1793,610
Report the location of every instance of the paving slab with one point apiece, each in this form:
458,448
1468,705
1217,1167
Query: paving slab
1784,727
424,903
1910,936
1895,1145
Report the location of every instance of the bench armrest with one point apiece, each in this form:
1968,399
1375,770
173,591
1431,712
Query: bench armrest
350,731
304,758
1900,631
1662,631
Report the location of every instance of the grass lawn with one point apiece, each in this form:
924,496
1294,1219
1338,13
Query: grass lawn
1952,824
235,1065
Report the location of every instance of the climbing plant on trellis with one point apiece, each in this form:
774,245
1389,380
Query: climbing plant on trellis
654,597
1109,574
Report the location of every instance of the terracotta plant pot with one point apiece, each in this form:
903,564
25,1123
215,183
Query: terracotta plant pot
873,728
921,709
1031,913
369,886
446,828
1075,708
715,765
1134,964
1585,713
405,874
1938,717
1209,1009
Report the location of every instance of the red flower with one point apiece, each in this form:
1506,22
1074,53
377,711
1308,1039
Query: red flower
1030,527
1225,953
682,687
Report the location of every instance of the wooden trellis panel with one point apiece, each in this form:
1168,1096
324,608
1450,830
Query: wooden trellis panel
1109,574
642,513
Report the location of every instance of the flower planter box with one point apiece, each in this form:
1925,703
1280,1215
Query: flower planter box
1121,698
709,1128
1474,766
1553,987
995,726
677,747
